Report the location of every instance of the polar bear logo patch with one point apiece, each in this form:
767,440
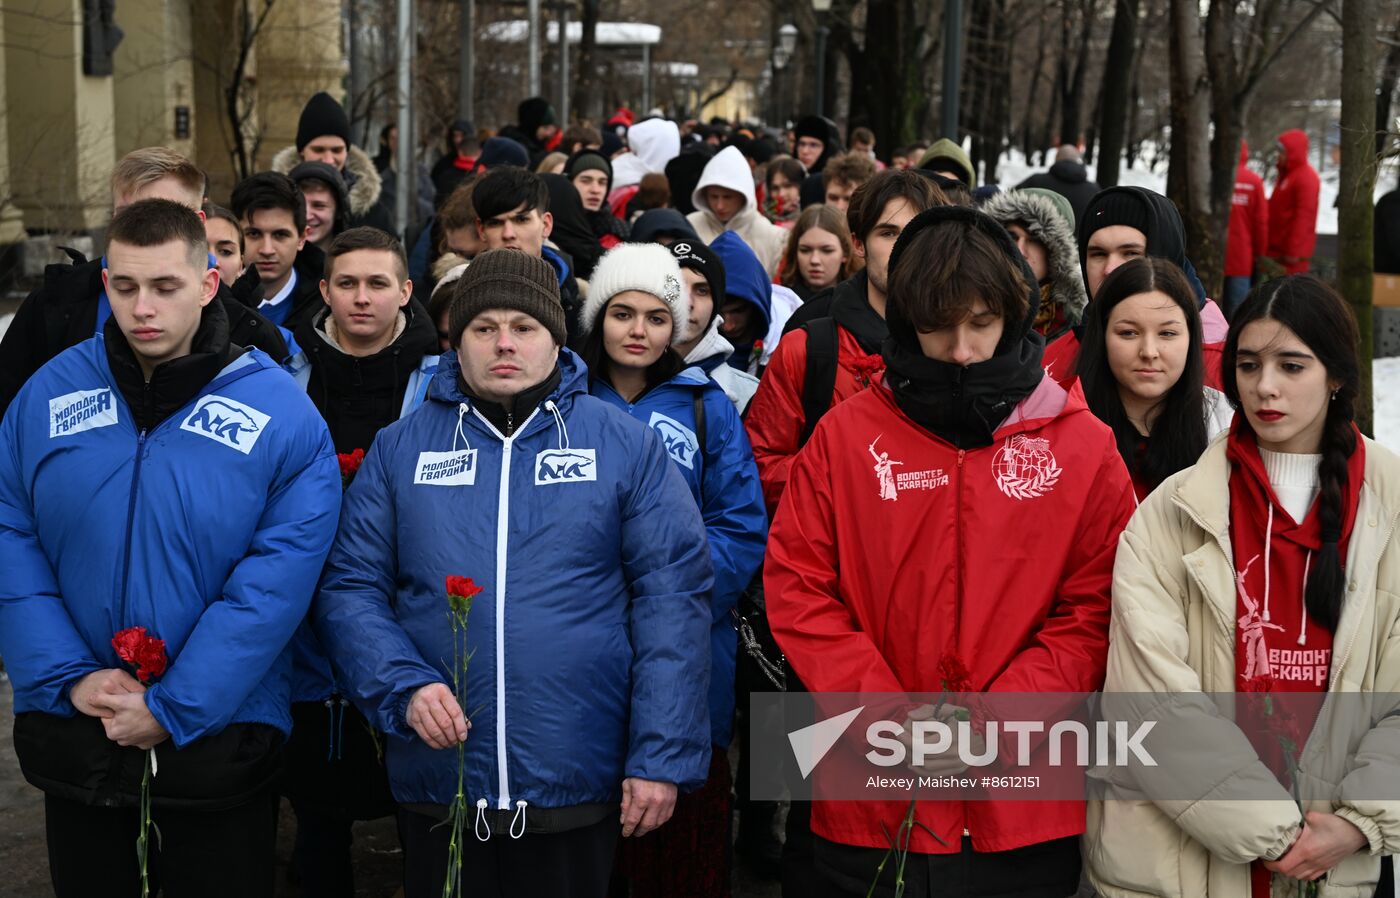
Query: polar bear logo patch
226,421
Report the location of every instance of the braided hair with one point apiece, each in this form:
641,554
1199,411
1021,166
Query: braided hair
1319,317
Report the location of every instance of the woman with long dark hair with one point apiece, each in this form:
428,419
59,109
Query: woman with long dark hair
1266,572
637,306
1141,368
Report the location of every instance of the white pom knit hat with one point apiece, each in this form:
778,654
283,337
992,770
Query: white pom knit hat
648,267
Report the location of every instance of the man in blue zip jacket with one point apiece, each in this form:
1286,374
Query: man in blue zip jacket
589,665
158,476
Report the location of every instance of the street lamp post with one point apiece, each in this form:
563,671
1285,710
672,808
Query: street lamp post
782,54
822,9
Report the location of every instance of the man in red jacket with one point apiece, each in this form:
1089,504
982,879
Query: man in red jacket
848,319
891,556
1249,232
1293,205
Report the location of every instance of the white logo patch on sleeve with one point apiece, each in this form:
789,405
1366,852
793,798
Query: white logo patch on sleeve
226,421
680,441
565,466
75,412
446,468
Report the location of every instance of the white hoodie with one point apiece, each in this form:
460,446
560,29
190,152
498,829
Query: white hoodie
738,385
729,169
653,142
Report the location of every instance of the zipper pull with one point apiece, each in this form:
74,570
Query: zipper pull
962,453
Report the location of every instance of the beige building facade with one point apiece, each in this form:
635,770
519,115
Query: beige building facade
61,130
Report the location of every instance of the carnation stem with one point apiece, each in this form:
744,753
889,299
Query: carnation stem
142,843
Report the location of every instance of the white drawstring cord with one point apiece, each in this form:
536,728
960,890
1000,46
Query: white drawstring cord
481,821
462,409
560,428
1303,627
1268,544
520,816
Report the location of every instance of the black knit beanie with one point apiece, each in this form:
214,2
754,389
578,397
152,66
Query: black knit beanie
534,113
508,279
696,256
322,117
1110,208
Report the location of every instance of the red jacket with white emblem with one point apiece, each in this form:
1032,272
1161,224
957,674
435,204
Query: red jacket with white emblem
892,548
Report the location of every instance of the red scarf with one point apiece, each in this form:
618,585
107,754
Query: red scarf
1278,648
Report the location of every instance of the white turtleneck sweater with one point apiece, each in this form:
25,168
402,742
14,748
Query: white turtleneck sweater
1295,480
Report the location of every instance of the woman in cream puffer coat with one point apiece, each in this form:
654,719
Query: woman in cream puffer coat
1173,644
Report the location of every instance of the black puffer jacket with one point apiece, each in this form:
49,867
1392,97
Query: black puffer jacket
359,396
62,312
1070,180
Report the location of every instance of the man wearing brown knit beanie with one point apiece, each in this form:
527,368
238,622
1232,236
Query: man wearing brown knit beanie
589,639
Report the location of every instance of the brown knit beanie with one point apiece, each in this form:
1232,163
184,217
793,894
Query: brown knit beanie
508,279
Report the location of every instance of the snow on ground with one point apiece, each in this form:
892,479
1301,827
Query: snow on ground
1013,169
1385,387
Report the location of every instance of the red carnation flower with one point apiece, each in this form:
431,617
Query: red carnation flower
349,464
460,592
954,674
868,369
144,653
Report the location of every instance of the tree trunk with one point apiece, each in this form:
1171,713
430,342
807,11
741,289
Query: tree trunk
975,106
1385,94
1355,214
1000,115
1047,134
894,84
1188,178
1091,134
1027,145
585,98
1071,110
1229,107
1117,82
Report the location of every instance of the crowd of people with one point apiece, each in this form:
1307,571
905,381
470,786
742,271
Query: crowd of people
645,386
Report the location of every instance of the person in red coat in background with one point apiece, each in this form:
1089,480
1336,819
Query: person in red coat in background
1293,205
1249,232
964,441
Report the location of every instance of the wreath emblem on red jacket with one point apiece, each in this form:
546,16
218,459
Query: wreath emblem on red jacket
1025,468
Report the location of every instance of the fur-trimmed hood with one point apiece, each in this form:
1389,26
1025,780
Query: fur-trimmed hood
1048,226
359,167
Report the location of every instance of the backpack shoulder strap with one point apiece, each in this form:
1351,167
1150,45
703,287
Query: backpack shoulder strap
698,401
819,380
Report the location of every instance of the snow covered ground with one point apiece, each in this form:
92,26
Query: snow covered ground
1013,169
1385,387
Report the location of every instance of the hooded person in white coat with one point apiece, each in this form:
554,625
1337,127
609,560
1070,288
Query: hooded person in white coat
724,201
653,143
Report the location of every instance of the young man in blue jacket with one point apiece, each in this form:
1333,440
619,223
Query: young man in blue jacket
589,671
367,357
158,476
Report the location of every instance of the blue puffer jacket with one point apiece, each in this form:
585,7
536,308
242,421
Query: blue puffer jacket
209,531
724,481
590,661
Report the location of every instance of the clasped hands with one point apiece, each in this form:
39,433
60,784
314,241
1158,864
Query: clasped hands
119,700
1326,840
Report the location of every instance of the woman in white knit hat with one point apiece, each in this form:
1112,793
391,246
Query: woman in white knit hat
637,306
